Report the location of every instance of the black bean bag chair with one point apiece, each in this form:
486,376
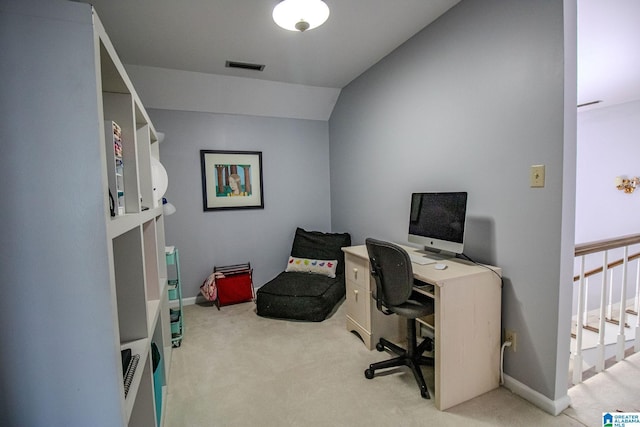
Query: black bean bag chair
306,290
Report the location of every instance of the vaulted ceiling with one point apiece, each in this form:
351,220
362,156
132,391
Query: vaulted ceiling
201,35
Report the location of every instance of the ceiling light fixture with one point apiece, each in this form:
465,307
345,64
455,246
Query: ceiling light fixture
300,15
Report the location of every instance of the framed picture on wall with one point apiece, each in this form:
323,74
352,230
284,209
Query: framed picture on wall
231,179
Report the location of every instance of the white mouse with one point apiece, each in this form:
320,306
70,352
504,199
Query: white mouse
440,266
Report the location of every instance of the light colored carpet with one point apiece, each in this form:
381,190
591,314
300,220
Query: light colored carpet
615,390
235,368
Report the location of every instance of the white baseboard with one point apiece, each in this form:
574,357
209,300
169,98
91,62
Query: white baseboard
553,407
185,301
189,301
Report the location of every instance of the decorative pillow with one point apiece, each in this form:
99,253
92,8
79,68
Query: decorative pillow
319,245
324,267
314,266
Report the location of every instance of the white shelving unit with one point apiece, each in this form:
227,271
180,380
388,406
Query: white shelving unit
101,280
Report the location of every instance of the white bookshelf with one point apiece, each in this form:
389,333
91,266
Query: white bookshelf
102,280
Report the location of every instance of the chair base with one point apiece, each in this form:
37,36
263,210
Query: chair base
411,357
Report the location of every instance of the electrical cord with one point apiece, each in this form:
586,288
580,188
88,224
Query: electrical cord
485,266
504,344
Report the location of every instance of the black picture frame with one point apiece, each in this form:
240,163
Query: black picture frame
231,180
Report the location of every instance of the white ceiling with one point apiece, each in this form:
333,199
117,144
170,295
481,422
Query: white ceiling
608,51
200,35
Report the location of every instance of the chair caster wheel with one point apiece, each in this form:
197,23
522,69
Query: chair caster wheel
368,374
424,394
379,347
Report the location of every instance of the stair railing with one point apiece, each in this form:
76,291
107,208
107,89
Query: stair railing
605,311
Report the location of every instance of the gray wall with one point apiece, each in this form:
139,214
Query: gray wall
295,160
470,103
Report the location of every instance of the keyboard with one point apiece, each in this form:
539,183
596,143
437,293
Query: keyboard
421,260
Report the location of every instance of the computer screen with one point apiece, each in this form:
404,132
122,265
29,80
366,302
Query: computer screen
437,221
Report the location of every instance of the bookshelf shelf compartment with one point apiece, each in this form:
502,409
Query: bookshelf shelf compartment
141,349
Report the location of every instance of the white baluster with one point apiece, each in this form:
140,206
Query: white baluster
577,358
610,305
585,314
601,325
623,302
636,308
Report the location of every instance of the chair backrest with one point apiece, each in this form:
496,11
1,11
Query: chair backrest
391,268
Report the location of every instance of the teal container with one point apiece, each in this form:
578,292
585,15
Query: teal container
158,381
175,328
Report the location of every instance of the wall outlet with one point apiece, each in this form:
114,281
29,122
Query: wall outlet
510,335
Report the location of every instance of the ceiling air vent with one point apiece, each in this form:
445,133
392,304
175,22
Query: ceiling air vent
589,103
244,65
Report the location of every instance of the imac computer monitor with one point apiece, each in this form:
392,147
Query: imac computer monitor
437,221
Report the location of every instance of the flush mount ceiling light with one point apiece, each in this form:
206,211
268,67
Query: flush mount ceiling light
300,15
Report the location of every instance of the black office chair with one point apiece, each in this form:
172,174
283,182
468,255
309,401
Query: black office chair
391,268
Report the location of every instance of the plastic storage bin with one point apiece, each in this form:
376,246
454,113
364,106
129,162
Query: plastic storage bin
175,294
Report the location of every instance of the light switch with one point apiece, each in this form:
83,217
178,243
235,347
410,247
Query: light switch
536,178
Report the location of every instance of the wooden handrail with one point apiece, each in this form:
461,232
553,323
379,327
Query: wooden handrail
603,245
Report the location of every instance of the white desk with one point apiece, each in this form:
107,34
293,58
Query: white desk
466,322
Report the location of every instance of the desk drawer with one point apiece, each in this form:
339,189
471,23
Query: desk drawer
357,271
358,304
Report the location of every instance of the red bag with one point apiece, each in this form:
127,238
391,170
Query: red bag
234,284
